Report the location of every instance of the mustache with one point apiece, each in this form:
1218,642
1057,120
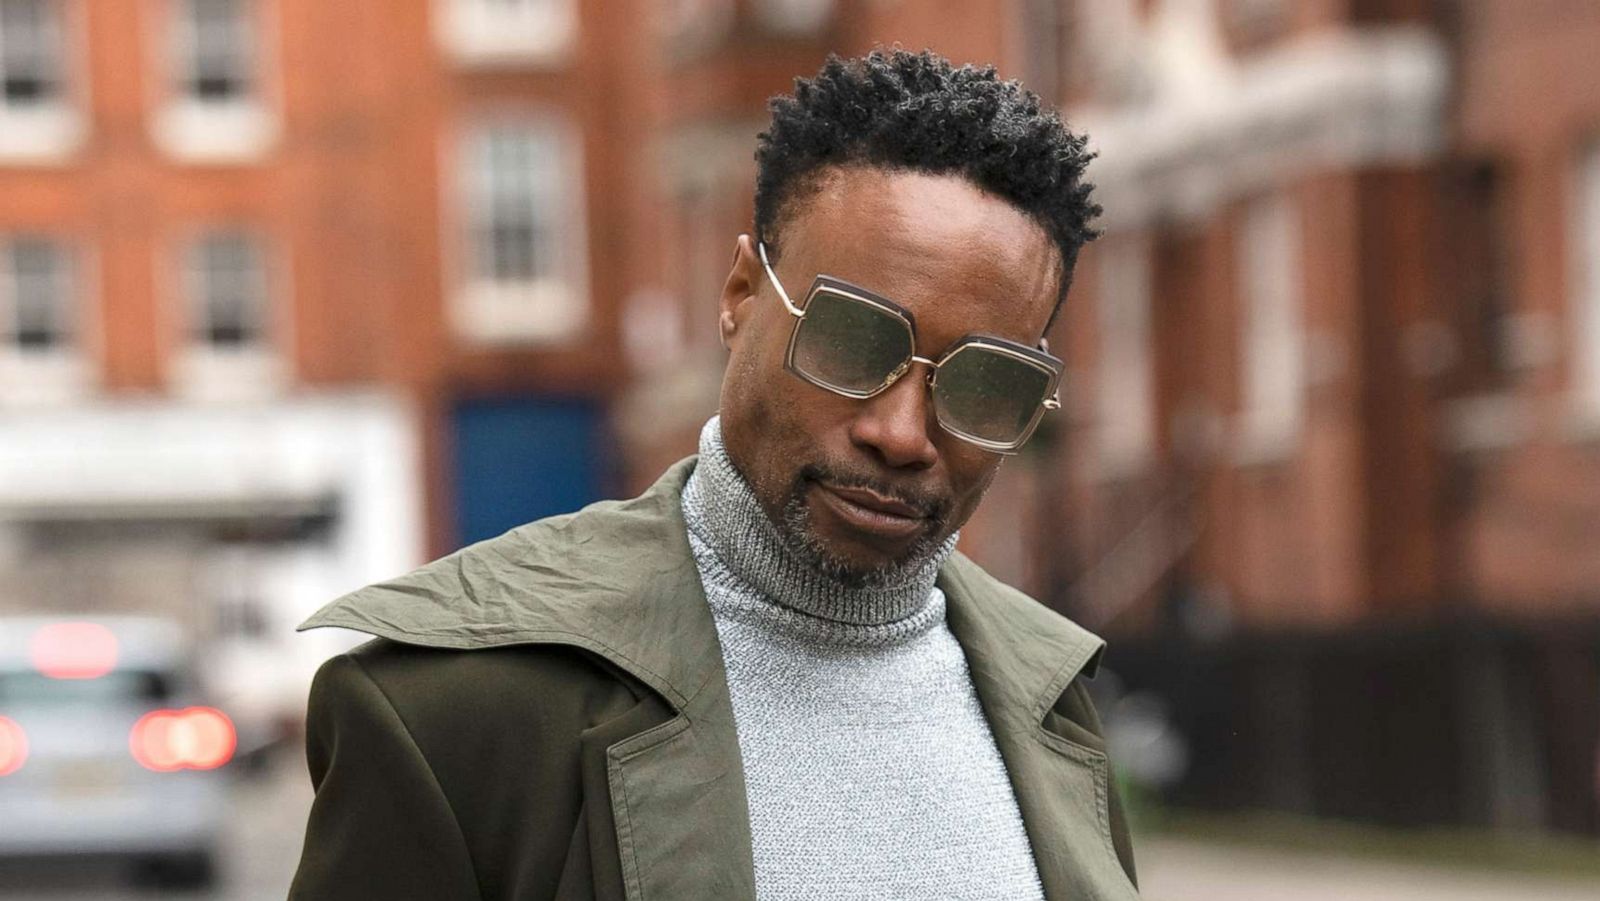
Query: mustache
930,506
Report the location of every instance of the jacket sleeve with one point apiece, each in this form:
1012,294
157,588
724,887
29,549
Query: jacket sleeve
380,825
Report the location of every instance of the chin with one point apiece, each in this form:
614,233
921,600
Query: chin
850,562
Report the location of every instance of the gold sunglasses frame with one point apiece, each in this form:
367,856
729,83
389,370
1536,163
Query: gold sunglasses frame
1038,359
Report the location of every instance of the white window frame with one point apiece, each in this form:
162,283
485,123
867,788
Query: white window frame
551,306
59,372
205,370
193,128
1584,275
1126,357
798,18
1272,338
506,33
53,128
690,27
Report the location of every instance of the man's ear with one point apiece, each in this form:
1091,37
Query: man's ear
744,280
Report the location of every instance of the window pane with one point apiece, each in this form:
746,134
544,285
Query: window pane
30,51
515,201
1274,338
229,289
1586,273
40,293
1126,368
217,47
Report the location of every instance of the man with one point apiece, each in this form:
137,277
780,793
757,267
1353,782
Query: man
770,676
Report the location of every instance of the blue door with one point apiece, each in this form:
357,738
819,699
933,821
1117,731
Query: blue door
521,458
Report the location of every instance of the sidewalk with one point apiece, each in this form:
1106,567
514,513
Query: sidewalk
1173,869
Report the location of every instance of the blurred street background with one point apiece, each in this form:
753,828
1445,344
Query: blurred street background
296,295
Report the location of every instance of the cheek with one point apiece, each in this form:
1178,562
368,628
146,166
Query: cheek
763,426
972,471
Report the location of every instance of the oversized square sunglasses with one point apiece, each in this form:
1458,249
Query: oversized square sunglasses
848,340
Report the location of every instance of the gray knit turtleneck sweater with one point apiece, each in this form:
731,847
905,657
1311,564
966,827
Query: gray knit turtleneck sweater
870,768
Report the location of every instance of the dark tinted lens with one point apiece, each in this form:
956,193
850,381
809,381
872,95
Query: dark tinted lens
988,394
848,344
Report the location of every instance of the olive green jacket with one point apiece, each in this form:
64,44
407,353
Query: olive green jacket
545,715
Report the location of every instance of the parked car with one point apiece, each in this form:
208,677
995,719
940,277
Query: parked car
107,747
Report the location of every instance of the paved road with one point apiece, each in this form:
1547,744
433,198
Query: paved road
262,845
1188,871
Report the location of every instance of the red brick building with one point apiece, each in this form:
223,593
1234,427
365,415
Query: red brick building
286,286
294,294
1329,372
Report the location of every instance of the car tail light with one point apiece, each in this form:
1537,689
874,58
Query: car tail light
13,746
73,650
195,738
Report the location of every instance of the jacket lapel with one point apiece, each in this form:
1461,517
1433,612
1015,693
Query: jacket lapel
617,579
1022,658
678,796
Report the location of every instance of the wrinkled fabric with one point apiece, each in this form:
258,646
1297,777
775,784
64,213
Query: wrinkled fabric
547,715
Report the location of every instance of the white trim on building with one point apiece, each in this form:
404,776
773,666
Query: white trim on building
1205,130
506,33
1126,357
1272,337
1584,253
794,17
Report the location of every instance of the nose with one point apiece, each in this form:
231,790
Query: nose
897,425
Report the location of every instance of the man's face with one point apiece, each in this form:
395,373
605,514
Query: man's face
871,487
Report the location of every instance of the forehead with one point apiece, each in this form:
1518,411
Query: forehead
960,259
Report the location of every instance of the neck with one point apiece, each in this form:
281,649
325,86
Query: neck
723,512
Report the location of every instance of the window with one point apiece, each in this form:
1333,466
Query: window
232,342
1046,40
794,17
524,264
512,223
42,357
215,110
38,123
1127,373
689,28
1585,252
506,32
1273,336
1479,244
215,50
37,296
227,289
30,52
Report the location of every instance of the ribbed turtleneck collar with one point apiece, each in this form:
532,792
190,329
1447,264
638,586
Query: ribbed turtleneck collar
722,511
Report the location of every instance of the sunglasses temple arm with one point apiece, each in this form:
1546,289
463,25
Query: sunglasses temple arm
761,248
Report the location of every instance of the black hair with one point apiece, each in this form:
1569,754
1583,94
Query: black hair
898,110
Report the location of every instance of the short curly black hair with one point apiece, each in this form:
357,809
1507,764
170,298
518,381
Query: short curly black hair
916,112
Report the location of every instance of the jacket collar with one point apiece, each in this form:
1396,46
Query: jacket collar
618,579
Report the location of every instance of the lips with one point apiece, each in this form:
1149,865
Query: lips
874,501
867,511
